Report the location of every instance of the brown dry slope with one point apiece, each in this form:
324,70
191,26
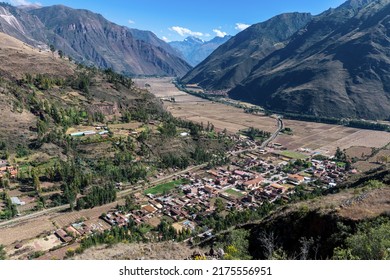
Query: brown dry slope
325,219
151,251
18,58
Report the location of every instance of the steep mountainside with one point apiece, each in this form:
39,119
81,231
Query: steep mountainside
21,25
151,38
195,50
90,38
338,66
233,61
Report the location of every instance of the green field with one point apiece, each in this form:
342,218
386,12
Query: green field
160,189
234,193
293,155
341,164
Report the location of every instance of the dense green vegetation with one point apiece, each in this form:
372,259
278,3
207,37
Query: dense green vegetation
96,197
235,244
371,241
9,210
329,120
3,254
368,125
219,222
256,134
117,158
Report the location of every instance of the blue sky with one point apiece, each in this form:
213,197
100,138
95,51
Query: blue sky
176,19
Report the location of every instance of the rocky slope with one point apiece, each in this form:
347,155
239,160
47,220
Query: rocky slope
232,62
18,24
338,66
91,39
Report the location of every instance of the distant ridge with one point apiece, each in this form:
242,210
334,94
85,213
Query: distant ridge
336,64
232,62
91,39
195,50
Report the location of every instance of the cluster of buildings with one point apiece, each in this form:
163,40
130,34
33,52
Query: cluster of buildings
7,170
102,131
76,230
250,180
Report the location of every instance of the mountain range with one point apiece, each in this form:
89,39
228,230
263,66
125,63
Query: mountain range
90,38
335,64
195,50
233,61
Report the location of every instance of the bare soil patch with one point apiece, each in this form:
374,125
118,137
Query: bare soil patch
19,58
154,222
151,251
26,230
359,152
364,166
14,124
381,154
374,204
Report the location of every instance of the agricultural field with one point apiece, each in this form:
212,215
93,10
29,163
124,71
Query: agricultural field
364,166
325,138
293,155
320,137
160,87
124,128
203,111
359,152
382,155
313,137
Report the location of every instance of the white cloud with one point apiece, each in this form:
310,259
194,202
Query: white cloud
241,26
182,31
19,2
131,21
23,3
219,33
165,39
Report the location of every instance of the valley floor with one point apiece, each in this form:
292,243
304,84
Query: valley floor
305,140
315,137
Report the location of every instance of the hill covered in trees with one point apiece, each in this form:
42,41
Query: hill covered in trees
80,130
